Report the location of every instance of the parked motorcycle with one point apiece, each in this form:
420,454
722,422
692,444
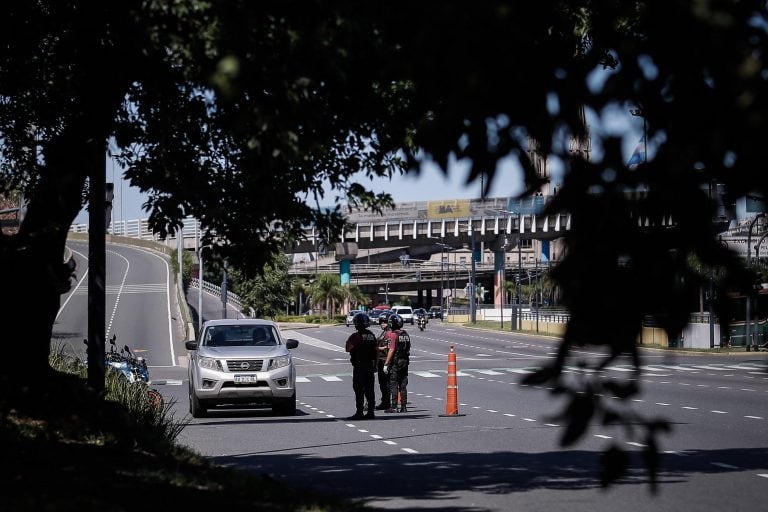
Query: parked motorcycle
422,322
132,367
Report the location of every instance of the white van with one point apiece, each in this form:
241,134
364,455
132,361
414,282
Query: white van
405,312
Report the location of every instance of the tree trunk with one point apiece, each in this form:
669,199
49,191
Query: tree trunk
33,269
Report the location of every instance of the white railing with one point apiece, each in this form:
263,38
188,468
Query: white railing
216,291
139,228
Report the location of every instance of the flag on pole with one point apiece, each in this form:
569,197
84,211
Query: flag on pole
638,156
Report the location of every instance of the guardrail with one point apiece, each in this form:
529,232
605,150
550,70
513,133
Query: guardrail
216,290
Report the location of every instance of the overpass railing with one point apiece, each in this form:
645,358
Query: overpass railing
211,288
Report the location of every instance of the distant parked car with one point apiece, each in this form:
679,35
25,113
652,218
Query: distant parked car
436,312
405,312
350,320
241,362
374,314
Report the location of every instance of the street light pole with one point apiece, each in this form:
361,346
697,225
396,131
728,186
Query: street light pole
519,320
473,297
200,292
748,319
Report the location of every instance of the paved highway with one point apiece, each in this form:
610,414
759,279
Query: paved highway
502,452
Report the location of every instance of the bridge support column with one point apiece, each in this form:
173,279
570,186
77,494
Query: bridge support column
544,256
345,253
498,279
345,269
419,298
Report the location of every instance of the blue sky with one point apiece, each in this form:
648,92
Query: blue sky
431,184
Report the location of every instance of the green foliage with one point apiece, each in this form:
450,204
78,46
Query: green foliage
187,264
326,292
267,293
151,424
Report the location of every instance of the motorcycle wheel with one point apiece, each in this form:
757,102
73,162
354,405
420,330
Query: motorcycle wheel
156,399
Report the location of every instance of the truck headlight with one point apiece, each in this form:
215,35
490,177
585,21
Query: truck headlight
279,362
209,363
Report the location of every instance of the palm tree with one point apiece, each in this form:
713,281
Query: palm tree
355,296
300,289
326,289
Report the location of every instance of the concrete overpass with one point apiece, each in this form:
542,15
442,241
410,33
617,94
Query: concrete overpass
505,227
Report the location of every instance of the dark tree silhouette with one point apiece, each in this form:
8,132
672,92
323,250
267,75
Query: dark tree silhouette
237,113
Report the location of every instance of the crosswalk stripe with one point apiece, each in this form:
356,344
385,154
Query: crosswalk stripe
470,372
424,374
309,340
129,288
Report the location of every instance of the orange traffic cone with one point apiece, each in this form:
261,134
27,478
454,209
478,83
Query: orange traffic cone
452,391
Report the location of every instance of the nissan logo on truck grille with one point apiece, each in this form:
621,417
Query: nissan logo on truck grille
249,365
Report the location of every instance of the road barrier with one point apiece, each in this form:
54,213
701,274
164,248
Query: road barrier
452,389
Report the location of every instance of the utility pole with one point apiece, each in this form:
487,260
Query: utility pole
747,327
96,269
224,283
473,279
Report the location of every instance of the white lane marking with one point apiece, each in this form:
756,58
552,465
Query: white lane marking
389,442
601,436
508,414
754,417
425,374
302,379
661,403
619,369
309,340
632,443
764,475
529,419
489,372
719,412
409,450
690,408
330,378
376,436
168,382
747,389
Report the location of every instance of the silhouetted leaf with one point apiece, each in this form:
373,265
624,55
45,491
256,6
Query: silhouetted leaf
615,462
621,390
579,413
539,376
